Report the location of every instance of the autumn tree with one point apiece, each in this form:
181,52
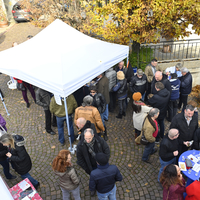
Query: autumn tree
141,21
43,12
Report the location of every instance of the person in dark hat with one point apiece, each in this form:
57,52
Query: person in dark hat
104,177
139,83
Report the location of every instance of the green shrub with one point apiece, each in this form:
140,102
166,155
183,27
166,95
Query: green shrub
142,59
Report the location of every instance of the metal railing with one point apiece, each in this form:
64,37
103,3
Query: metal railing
170,51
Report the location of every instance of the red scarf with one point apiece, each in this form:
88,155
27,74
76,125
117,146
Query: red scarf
156,132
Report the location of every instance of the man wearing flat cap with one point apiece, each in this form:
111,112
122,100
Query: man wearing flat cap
104,177
139,83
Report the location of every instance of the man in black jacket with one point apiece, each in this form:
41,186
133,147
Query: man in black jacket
43,99
139,83
103,178
87,148
187,124
168,152
100,103
185,88
160,77
160,100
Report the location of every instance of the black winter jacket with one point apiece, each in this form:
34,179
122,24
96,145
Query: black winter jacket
160,100
128,71
122,91
138,84
43,98
99,102
197,139
186,84
186,133
3,152
167,147
20,158
165,82
104,177
84,158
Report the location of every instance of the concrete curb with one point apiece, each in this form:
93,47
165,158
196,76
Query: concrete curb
4,30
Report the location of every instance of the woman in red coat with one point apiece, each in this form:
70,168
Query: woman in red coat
193,191
173,183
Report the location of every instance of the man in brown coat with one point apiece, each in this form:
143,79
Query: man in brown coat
103,88
90,113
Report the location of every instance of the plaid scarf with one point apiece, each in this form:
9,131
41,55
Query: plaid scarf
91,147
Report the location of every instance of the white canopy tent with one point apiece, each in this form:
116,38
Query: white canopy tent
60,59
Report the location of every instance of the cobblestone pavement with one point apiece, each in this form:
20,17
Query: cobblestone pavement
139,179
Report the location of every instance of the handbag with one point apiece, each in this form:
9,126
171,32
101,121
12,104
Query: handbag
20,86
143,140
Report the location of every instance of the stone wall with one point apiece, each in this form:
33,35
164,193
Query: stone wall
193,67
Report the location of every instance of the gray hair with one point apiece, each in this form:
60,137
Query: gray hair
87,101
153,111
88,130
184,70
179,65
189,107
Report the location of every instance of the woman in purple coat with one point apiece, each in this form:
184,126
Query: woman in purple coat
173,183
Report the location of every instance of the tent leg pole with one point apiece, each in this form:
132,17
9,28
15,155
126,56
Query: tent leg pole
4,104
67,119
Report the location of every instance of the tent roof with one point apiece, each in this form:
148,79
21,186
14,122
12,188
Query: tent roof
60,59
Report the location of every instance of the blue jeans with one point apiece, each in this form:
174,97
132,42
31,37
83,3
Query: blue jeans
143,96
165,163
109,195
31,179
106,113
122,106
75,192
60,125
6,168
149,149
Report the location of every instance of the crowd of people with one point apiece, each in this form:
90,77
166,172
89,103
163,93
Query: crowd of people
156,96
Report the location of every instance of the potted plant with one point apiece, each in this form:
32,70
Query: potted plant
3,17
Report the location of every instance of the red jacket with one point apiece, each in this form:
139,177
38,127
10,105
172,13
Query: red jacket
193,191
175,192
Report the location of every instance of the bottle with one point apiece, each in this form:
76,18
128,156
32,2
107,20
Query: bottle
169,75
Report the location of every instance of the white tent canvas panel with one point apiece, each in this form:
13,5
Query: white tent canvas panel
60,59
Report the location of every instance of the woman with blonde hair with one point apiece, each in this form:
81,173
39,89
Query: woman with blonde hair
68,178
20,159
173,183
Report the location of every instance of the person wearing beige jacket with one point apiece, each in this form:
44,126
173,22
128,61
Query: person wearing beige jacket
150,131
90,113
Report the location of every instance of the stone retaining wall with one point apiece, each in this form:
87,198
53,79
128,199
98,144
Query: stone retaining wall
193,67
